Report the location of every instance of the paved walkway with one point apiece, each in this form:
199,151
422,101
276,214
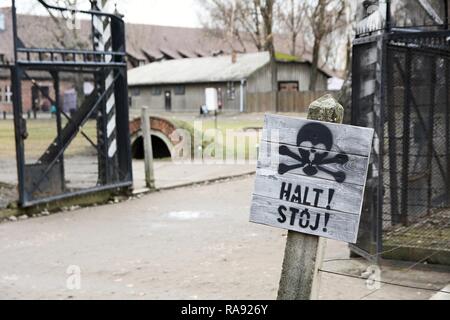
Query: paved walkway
188,243
81,172
169,175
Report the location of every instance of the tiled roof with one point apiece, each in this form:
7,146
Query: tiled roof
147,43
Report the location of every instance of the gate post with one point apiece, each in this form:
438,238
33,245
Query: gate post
148,149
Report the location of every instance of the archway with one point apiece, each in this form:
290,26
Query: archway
160,149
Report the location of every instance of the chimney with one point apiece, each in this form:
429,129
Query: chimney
233,57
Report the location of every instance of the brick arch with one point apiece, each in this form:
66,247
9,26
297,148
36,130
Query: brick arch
161,128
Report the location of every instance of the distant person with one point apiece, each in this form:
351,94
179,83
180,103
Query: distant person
204,111
45,105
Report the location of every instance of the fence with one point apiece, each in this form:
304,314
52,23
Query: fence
400,88
287,101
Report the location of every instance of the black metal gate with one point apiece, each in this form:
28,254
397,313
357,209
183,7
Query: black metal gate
401,84
42,175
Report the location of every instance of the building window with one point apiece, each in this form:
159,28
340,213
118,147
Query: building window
135,92
6,95
156,91
288,86
180,90
231,91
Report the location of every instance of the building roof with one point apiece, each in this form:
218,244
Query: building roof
146,43
199,70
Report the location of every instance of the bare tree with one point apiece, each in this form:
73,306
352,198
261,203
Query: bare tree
267,10
291,20
241,20
63,32
324,16
67,25
245,19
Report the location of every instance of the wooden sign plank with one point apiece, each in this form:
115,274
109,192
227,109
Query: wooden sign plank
349,139
340,226
355,169
311,177
310,192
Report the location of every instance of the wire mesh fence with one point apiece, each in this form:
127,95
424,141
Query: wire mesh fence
416,171
408,210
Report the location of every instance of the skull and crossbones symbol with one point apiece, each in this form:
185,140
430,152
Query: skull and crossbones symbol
313,160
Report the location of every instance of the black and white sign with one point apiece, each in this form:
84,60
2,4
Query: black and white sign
311,177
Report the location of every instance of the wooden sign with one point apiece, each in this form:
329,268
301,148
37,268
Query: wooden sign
311,177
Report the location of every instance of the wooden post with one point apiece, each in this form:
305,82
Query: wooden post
148,149
303,257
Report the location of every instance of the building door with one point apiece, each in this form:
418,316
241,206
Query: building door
168,100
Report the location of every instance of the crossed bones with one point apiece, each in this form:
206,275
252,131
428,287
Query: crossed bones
312,167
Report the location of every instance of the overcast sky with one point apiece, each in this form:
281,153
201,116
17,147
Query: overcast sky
183,13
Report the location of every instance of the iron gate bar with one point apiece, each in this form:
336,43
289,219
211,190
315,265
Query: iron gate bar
122,99
392,149
89,12
47,66
422,121
447,122
64,146
36,85
113,186
378,211
56,61
57,103
88,139
67,117
431,133
72,51
406,139
17,102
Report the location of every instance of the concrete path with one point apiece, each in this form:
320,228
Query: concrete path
188,243
170,175
443,294
81,172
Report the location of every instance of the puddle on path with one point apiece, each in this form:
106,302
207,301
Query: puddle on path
187,215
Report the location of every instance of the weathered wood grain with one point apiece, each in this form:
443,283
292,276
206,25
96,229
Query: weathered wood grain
355,169
341,226
347,139
346,197
300,276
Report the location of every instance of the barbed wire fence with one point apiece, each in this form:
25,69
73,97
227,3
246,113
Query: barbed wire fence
383,283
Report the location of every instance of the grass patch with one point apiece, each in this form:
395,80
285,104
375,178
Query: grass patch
243,146
41,134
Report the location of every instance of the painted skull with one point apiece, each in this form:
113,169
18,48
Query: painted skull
315,142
